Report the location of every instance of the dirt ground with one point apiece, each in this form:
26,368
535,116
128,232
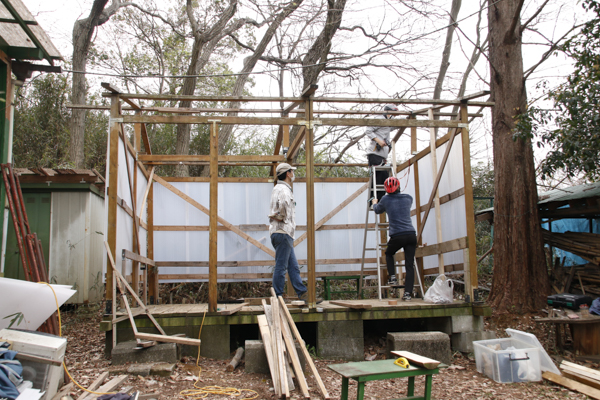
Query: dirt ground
85,360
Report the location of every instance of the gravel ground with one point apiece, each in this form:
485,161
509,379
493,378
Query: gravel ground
85,360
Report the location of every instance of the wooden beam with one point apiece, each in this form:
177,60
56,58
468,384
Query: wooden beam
295,146
213,209
307,356
168,339
262,276
192,119
114,91
571,384
310,205
413,150
332,213
435,193
180,158
136,257
257,180
469,206
438,248
249,99
220,220
254,227
113,183
425,151
260,263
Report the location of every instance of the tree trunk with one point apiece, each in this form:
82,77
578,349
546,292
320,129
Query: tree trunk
520,282
82,38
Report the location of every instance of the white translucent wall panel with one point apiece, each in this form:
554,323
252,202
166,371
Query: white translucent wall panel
248,204
453,214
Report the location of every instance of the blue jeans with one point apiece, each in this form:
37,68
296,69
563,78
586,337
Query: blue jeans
285,260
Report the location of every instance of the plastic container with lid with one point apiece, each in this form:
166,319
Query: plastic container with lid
519,358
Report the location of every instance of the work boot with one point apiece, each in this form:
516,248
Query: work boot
304,297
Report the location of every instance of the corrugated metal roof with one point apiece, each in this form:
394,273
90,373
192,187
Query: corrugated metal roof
571,193
16,42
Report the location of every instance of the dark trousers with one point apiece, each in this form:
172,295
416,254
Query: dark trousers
380,176
409,244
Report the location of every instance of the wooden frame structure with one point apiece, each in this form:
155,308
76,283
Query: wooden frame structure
306,119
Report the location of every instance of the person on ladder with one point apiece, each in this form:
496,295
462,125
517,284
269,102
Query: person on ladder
402,233
379,148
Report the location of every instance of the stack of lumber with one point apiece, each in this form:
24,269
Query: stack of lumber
577,279
278,332
578,378
585,245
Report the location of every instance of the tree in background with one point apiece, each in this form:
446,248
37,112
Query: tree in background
572,130
42,120
520,282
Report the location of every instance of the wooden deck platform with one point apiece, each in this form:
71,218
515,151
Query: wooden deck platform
192,314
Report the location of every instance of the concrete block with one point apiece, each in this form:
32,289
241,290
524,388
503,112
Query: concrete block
348,349
342,340
463,342
126,352
162,369
434,345
139,369
256,358
438,324
215,342
467,323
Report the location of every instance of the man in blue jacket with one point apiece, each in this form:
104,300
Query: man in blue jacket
402,234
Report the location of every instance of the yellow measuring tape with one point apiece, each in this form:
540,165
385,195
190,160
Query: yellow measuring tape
402,362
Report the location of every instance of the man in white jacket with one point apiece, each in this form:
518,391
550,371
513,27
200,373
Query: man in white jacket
379,148
282,228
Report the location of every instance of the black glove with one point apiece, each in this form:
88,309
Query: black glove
388,143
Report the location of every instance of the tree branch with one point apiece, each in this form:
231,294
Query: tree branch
509,36
539,10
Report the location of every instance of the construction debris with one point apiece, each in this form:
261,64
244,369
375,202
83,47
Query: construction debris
236,359
278,332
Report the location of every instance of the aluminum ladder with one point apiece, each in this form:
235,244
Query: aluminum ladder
379,247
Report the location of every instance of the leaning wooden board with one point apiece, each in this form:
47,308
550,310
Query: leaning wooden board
416,359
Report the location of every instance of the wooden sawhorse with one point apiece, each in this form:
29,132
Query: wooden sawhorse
365,371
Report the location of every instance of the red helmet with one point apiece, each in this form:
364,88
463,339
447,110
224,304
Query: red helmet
391,184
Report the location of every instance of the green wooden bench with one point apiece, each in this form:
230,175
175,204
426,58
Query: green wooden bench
366,371
327,285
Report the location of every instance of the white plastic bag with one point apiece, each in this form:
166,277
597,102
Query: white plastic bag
442,291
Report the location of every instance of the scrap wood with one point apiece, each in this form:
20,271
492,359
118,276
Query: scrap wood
416,359
571,384
579,378
307,356
163,337
239,353
293,355
107,387
263,326
358,306
95,385
232,310
278,346
64,391
581,370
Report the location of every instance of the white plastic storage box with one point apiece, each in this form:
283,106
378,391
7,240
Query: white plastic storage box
45,377
519,358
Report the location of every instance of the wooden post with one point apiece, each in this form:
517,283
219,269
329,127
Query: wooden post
111,189
152,270
434,171
469,207
413,150
135,266
310,204
214,203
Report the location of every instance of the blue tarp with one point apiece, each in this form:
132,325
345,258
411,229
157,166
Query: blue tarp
571,225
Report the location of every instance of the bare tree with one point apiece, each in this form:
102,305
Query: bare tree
83,31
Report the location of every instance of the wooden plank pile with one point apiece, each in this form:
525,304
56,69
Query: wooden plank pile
577,377
577,279
585,245
278,332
